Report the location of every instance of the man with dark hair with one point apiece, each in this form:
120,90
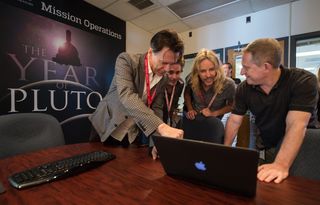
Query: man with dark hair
133,105
282,101
172,93
227,67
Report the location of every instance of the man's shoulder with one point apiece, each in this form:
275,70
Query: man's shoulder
297,71
131,56
299,75
180,85
135,61
245,87
228,80
180,82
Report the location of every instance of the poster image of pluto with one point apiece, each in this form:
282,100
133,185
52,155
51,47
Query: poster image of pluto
51,67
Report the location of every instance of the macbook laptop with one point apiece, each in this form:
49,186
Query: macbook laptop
228,168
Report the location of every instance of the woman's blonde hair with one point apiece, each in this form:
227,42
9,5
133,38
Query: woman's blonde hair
195,78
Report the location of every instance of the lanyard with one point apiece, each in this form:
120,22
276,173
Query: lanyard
212,99
169,104
150,96
204,101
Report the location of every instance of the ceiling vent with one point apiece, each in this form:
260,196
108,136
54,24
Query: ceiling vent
188,8
141,4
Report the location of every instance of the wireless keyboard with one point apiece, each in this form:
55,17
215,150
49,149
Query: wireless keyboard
59,169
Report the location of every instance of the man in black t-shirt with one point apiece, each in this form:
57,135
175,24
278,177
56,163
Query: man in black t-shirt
281,100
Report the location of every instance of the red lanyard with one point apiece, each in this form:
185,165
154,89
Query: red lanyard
149,96
204,101
169,104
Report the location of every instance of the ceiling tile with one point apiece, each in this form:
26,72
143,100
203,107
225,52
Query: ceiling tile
189,8
221,14
167,2
157,18
100,3
125,11
178,26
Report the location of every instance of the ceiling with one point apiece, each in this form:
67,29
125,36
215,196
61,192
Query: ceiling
181,15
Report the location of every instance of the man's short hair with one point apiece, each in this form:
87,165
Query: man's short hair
229,65
167,38
265,50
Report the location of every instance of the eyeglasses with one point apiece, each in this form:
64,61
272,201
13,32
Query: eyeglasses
171,72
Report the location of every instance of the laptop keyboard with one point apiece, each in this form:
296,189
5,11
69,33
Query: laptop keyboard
59,169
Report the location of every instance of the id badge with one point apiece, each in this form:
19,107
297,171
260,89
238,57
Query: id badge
262,154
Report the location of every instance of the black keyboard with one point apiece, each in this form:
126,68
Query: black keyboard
59,169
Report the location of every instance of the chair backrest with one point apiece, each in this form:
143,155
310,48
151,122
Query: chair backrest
26,132
208,129
77,129
307,162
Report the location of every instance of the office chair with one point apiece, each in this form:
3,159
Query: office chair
307,162
83,128
26,132
208,129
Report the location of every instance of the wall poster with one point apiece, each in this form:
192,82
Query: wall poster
57,58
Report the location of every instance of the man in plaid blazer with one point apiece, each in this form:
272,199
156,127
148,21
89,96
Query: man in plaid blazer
134,102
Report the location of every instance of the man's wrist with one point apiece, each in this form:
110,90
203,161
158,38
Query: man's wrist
282,162
160,127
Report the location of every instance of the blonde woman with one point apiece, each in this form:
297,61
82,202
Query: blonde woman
208,91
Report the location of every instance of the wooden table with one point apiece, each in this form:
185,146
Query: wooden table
134,178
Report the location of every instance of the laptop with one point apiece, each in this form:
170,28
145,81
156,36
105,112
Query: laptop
228,168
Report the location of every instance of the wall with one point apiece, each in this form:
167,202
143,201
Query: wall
137,40
275,22
305,16
228,33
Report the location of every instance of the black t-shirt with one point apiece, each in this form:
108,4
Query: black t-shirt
296,89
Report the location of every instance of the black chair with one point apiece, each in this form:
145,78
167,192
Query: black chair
208,129
26,132
77,129
307,162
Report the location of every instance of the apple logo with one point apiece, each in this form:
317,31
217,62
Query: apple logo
200,166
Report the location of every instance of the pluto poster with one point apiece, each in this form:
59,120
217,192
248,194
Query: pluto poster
58,58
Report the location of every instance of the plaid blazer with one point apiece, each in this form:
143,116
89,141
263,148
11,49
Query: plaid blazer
124,101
